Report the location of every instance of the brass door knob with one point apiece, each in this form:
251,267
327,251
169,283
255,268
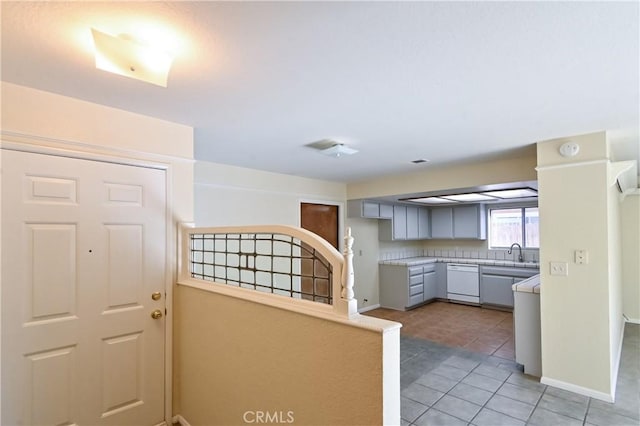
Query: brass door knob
156,296
156,314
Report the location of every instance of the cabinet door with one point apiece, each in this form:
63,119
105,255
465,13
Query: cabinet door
371,210
386,211
442,222
496,290
441,280
399,223
423,223
465,222
430,286
412,223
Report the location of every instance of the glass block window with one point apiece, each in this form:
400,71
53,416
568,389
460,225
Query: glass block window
272,263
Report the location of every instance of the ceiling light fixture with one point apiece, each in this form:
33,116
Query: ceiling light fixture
338,150
479,196
127,57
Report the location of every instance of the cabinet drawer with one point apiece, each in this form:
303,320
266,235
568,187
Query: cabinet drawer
416,289
431,267
414,300
416,279
415,270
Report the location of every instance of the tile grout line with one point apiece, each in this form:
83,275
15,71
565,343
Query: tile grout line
535,407
586,413
496,393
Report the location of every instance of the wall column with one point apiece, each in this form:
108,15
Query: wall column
581,312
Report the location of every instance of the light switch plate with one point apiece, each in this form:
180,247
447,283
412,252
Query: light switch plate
559,268
581,257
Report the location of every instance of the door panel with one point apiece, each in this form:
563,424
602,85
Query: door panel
52,370
322,220
52,271
84,248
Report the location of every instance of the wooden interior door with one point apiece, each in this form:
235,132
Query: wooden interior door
84,246
321,219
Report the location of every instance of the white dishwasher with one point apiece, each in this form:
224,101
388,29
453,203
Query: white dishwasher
463,283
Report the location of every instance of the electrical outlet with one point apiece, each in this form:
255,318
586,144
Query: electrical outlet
581,257
559,268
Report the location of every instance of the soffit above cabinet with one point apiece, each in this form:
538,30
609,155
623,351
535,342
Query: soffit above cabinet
494,193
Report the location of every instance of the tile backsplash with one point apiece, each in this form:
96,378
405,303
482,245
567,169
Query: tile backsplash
394,254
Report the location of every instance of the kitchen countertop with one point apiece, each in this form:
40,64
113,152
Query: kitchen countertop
416,261
530,285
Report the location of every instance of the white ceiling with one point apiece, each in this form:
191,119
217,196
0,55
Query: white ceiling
399,81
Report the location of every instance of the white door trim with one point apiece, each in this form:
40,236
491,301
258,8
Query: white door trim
46,146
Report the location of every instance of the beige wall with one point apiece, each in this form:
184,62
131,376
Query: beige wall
229,195
237,356
630,214
47,119
458,176
511,169
581,312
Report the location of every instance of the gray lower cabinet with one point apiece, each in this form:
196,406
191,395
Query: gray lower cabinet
441,280
496,282
403,287
496,290
430,285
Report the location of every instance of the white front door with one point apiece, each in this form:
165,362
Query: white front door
83,268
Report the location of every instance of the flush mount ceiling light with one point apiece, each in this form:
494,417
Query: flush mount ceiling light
338,150
127,57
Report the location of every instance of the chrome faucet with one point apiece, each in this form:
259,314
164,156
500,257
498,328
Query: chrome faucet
520,258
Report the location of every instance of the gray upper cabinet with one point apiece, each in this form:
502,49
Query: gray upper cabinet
412,222
468,221
442,223
408,223
424,230
369,209
399,223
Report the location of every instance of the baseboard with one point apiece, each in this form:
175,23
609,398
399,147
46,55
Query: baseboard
577,389
633,320
368,308
616,367
181,420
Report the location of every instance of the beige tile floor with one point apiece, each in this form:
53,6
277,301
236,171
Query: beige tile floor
475,329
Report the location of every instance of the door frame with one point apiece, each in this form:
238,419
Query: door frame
340,206
58,148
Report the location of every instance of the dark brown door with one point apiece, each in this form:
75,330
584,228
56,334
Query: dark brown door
321,219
